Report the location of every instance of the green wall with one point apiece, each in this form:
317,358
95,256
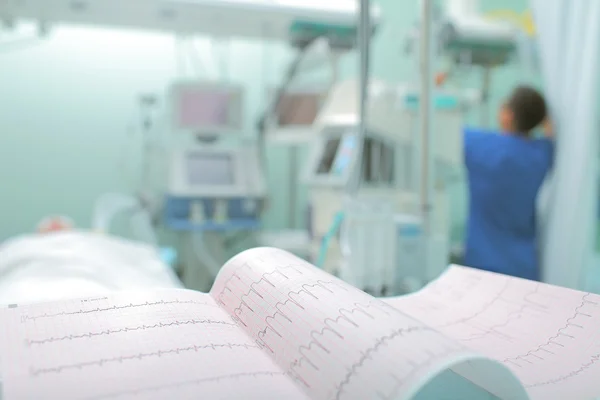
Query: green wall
69,115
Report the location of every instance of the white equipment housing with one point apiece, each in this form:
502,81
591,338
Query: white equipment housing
469,25
211,111
295,21
368,246
388,173
333,160
220,172
470,38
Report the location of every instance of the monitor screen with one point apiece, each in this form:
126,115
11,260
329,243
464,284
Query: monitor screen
210,169
328,156
198,108
344,155
298,109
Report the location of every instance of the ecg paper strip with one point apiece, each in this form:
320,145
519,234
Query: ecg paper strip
166,344
335,341
272,327
548,336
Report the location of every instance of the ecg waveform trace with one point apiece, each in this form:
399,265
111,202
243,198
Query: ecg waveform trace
26,318
483,309
549,334
280,304
569,323
256,297
516,314
495,328
108,332
343,314
584,367
194,382
120,359
541,351
367,353
151,344
305,288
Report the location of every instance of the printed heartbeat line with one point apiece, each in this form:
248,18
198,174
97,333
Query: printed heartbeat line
315,341
264,278
179,385
483,310
235,274
26,318
343,314
552,340
469,283
305,289
593,360
536,304
262,333
140,356
382,341
108,332
512,316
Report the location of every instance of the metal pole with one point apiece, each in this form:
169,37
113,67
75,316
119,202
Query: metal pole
293,179
364,41
485,96
426,113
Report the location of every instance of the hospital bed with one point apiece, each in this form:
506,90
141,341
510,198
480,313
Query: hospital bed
70,264
60,262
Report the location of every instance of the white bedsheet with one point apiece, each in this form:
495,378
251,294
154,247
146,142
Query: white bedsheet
38,268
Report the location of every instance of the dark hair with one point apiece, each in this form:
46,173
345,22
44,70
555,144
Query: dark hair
528,107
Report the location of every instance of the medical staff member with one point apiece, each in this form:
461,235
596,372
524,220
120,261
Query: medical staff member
506,170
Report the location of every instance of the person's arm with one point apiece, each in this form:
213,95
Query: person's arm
548,128
548,140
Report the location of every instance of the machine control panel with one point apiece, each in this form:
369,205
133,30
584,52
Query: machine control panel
216,173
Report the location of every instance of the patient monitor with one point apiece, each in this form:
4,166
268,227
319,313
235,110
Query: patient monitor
212,185
293,117
206,108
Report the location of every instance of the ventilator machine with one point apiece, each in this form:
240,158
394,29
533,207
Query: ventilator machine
384,228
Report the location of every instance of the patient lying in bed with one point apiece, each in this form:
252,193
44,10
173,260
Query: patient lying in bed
60,262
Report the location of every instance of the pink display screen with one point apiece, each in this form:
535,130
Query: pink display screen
298,109
203,108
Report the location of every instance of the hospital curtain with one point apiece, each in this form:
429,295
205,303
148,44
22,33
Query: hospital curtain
569,47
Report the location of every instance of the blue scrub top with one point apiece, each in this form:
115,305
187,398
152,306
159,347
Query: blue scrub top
505,174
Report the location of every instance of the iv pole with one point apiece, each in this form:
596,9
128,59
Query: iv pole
353,185
364,44
426,108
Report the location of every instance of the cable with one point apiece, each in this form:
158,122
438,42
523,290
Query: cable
336,227
203,254
291,73
195,60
